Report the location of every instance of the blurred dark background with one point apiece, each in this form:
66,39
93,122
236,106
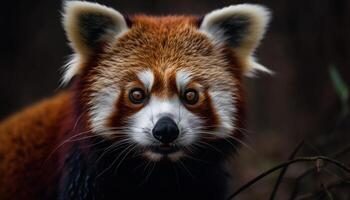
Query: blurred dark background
304,39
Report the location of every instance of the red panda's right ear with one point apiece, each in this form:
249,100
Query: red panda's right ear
88,26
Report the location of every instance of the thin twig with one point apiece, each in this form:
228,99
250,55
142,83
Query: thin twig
320,192
314,169
282,165
327,192
284,170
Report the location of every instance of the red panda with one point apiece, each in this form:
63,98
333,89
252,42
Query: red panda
153,110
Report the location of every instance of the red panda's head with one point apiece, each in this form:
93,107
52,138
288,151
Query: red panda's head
167,84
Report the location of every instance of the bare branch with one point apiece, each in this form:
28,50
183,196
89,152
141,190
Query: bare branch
322,191
282,165
314,169
284,170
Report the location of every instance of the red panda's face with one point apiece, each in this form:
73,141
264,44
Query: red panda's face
166,85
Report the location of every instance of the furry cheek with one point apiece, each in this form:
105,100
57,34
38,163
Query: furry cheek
101,108
224,106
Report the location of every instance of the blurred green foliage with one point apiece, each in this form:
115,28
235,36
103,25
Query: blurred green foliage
341,88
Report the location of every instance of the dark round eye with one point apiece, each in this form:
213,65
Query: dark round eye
190,96
137,96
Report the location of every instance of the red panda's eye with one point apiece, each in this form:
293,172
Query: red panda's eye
191,96
137,95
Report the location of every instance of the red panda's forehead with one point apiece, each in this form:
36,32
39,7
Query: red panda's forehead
165,46
160,39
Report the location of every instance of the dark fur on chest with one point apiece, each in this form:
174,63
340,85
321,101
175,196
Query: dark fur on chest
88,176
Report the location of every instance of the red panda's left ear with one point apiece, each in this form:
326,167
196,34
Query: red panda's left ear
89,26
241,27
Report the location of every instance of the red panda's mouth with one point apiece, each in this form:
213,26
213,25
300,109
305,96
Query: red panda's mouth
165,149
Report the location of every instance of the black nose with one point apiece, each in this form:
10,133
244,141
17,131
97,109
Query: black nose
165,130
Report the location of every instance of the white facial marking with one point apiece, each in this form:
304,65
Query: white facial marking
224,104
157,156
153,156
102,107
147,78
148,116
182,79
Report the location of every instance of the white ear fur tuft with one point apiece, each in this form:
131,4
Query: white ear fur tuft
70,69
240,26
255,68
88,26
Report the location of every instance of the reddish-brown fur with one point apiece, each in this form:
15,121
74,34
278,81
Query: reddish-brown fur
26,141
